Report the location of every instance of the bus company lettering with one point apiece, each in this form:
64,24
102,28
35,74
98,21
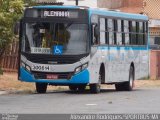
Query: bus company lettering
56,14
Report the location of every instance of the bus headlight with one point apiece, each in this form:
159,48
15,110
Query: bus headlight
77,70
80,68
84,66
23,64
28,68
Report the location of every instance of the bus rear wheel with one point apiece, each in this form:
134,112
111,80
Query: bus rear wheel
126,86
41,87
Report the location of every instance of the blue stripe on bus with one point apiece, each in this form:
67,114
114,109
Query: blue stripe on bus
118,14
122,48
80,78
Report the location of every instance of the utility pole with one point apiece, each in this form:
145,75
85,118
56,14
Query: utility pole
76,2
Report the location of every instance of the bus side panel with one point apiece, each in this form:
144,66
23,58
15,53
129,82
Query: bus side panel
94,64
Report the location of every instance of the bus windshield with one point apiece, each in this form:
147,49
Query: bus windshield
54,38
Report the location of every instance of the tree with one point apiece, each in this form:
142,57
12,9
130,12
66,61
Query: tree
10,12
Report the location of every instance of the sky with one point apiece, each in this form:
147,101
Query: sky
89,3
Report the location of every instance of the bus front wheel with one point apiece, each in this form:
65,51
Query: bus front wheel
41,87
73,87
96,87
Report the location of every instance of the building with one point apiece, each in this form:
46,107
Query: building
88,3
147,7
151,8
130,6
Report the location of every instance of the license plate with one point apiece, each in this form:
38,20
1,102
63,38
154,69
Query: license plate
52,76
40,68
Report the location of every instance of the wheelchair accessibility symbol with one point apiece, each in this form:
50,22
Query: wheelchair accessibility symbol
58,49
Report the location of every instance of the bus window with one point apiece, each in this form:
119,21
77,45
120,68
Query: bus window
145,25
115,31
123,34
133,33
106,32
119,32
102,31
110,30
140,33
126,32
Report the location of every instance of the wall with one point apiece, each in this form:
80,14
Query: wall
89,3
151,8
111,4
114,4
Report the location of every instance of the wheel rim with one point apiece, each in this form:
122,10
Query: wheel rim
131,81
99,82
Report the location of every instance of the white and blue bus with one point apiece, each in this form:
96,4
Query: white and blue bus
78,46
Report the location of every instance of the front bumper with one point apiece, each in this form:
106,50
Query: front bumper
80,78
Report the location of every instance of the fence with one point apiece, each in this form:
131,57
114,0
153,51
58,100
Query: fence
155,64
9,61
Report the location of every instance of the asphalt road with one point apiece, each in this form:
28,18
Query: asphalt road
145,100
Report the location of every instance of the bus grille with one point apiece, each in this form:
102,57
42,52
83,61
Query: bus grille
53,59
43,75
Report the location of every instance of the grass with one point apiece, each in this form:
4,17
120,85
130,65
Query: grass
1,71
10,83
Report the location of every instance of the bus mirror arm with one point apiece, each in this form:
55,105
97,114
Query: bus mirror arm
16,28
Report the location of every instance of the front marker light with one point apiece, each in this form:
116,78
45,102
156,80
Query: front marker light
28,68
22,64
78,69
84,66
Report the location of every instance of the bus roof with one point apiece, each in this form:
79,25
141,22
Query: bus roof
97,11
57,7
118,14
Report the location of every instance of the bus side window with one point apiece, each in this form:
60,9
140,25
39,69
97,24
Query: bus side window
95,34
123,34
133,33
145,31
102,31
106,32
126,32
115,31
111,31
119,32
140,33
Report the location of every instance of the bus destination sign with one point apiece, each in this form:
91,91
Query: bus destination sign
56,14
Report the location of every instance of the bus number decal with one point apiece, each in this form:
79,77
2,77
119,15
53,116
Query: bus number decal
40,68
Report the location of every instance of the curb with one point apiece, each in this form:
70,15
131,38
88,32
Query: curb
3,92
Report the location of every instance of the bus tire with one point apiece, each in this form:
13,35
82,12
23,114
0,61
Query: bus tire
119,87
96,87
73,87
81,88
126,86
41,87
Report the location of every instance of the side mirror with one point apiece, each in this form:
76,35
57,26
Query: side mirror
16,28
95,31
